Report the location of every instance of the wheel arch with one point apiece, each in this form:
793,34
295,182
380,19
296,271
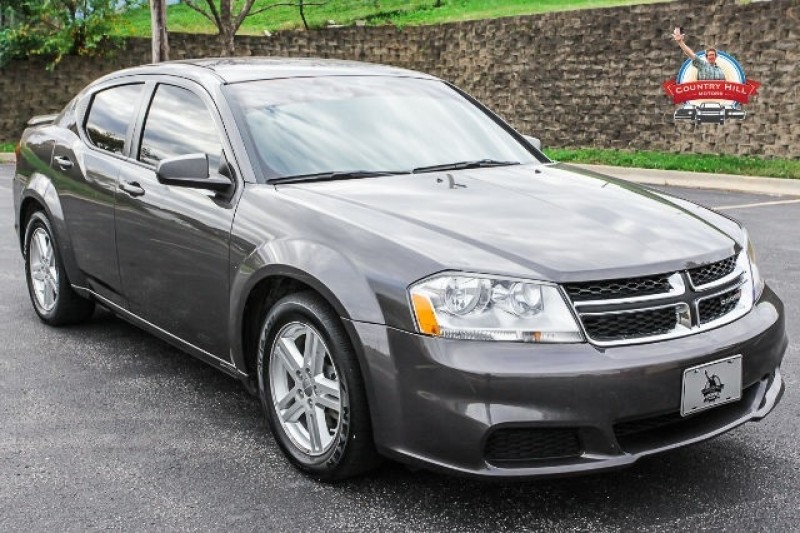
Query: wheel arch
279,268
40,195
30,204
268,286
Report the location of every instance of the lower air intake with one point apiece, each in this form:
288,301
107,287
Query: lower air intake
513,446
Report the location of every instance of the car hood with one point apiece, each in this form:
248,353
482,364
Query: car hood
555,221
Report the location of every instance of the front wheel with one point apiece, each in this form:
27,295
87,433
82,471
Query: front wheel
48,286
312,391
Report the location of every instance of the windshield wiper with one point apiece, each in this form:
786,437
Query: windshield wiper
461,165
336,175
356,174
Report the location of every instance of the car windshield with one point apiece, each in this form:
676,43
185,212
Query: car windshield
368,124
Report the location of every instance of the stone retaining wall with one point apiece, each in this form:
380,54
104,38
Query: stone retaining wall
574,78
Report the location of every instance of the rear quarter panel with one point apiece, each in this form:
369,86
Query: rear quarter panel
31,173
33,182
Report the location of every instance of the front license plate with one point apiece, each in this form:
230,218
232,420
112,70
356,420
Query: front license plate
711,384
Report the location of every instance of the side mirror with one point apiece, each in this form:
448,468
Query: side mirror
191,171
534,141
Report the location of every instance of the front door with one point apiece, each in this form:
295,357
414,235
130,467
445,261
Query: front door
173,242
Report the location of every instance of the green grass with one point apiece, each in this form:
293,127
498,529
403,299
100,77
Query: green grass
7,147
376,12
717,164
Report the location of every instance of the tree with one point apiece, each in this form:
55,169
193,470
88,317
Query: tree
302,4
14,11
223,15
56,28
158,22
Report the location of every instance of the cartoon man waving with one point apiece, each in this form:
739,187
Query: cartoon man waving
707,69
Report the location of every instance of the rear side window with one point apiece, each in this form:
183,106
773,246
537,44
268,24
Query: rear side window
178,123
110,114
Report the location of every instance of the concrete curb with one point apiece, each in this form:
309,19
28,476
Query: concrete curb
700,180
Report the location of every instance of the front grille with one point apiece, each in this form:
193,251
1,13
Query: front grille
710,309
673,304
713,272
618,288
631,325
525,445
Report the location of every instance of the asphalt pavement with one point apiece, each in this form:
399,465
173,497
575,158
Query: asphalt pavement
102,426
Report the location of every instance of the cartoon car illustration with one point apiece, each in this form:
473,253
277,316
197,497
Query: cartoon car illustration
685,113
735,113
710,113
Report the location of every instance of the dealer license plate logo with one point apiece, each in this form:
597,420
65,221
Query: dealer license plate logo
711,384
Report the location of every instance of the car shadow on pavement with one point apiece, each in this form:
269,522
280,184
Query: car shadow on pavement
675,484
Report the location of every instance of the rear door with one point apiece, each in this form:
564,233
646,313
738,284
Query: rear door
173,242
87,157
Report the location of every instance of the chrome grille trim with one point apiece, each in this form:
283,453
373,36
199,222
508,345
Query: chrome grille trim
682,319
678,288
741,285
735,271
682,295
616,289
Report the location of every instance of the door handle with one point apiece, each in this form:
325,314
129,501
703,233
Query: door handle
63,163
131,187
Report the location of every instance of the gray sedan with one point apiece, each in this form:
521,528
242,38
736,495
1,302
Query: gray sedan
393,270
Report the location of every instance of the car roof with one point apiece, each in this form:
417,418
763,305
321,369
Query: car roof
239,69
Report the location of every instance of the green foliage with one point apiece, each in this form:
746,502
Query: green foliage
375,12
712,163
56,28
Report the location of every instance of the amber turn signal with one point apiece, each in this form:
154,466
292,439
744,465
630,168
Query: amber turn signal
426,318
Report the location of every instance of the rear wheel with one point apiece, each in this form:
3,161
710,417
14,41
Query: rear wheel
48,286
312,390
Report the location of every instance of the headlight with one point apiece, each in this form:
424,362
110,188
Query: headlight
477,307
755,273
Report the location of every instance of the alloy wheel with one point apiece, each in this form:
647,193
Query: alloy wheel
306,390
43,271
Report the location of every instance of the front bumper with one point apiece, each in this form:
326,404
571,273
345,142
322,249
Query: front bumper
436,402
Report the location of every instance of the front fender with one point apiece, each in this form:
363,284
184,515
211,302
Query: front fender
321,267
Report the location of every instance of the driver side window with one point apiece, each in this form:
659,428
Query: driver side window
178,123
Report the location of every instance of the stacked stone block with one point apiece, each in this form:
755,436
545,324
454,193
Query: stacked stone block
588,78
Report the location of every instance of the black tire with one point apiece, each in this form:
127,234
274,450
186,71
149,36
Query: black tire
353,450
69,307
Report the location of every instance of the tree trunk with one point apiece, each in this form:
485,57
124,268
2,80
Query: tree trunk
227,28
79,39
226,43
158,21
